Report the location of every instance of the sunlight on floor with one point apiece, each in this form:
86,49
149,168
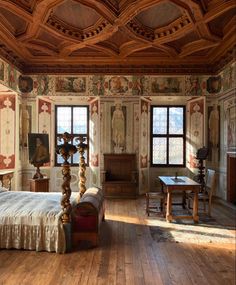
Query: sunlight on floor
188,232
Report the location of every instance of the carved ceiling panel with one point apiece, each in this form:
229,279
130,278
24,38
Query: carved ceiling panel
75,14
12,22
167,13
152,35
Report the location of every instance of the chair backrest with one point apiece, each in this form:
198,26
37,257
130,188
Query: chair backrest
210,181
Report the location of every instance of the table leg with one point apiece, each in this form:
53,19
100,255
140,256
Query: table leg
169,205
184,200
195,207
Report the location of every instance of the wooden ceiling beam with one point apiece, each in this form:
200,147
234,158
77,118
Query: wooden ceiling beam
105,34
228,43
131,47
196,46
40,48
105,49
175,36
17,10
167,49
218,10
39,15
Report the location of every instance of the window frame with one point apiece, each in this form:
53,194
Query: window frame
167,136
71,133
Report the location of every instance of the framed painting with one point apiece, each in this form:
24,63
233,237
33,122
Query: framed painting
38,148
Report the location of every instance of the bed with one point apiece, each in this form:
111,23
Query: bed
52,221
33,221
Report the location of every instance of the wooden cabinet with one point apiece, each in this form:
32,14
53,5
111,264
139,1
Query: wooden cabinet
120,176
39,185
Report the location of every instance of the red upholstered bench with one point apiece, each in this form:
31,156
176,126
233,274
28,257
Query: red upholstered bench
87,216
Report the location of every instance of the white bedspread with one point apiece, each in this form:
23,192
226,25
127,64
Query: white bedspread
31,220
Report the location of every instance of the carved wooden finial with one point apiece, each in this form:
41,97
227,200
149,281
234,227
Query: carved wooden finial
66,150
82,167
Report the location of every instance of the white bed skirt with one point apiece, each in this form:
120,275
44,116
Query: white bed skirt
31,221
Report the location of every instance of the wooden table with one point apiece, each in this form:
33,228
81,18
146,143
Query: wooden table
182,183
6,177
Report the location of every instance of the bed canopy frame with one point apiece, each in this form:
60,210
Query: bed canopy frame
66,150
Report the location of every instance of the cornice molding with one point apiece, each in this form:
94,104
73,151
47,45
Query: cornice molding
11,57
31,69
119,69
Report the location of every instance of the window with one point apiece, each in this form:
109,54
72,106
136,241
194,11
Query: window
74,120
168,136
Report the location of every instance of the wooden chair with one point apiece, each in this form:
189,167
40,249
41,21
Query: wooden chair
206,196
152,199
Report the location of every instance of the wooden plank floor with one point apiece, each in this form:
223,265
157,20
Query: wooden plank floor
127,255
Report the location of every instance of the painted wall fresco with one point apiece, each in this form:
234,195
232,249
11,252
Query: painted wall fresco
229,77
213,138
230,123
144,134
44,120
97,85
12,77
94,133
118,127
112,87
125,85
70,84
44,116
42,85
25,115
25,84
195,86
196,122
167,84
214,84
94,145
2,70
7,131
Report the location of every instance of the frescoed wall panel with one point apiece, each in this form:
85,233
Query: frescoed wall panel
213,138
230,123
196,133
44,120
7,131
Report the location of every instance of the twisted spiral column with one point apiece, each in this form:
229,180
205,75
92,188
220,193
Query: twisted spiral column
66,150
82,166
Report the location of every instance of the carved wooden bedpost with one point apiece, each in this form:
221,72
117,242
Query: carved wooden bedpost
82,167
66,150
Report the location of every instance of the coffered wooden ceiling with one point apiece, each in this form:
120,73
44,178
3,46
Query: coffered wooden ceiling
111,36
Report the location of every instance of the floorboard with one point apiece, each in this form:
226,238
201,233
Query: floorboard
127,255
